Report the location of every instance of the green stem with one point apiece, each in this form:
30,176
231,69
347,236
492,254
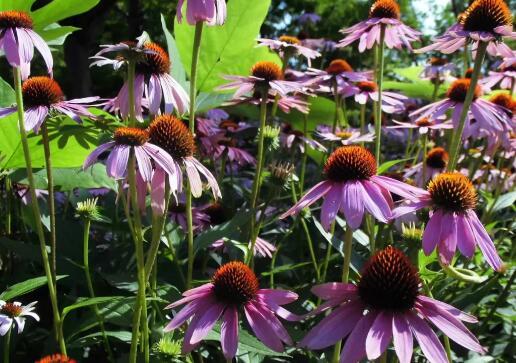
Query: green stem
466,276
7,345
51,201
9,205
423,147
89,283
258,174
336,120
328,254
35,209
307,234
457,136
131,71
437,84
140,309
304,158
378,114
362,119
193,95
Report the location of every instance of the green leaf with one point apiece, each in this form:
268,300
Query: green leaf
246,342
55,34
67,179
85,302
224,230
227,49
23,5
60,9
177,70
25,287
206,101
70,143
91,339
322,111
389,164
7,95
504,201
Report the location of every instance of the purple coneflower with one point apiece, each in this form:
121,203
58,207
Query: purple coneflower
42,97
308,18
177,214
483,21
435,163
262,247
15,312
386,14
127,140
386,304
506,78
437,70
233,287
17,41
453,222
487,114
217,114
212,12
366,90
291,137
347,136
124,51
265,75
222,146
173,136
338,71
423,125
289,46
352,187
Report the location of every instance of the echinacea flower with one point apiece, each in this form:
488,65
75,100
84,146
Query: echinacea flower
423,125
177,214
128,140
173,136
56,358
155,83
392,102
265,77
347,136
453,222
124,52
483,21
18,39
289,46
437,69
15,312
42,98
234,287
338,71
382,14
487,114
386,304
352,187
435,163
262,247
505,78
308,18
291,137
221,146
217,114
212,12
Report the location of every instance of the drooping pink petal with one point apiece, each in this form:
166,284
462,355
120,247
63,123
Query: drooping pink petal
452,310
318,191
428,341
333,290
262,329
158,192
375,202
93,156
448,238
354,348
352,204
402,338
330,206
379,336
432,232
273,321
485,243
229,332
207,320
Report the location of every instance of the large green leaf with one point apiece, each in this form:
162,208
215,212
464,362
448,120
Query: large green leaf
70,143
411,85
227,49
177,70
7,96
25,287
85,302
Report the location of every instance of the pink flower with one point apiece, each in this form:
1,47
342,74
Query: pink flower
262,247
176,212
352,187
265,76
435,163
453,222
288,46
127,140
484,20
338,71
488,115
505,79
363,91
423,125
42,96
212,12
438,69
17,41
383,13
347,136
386,305
234,287
290,137
172,136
